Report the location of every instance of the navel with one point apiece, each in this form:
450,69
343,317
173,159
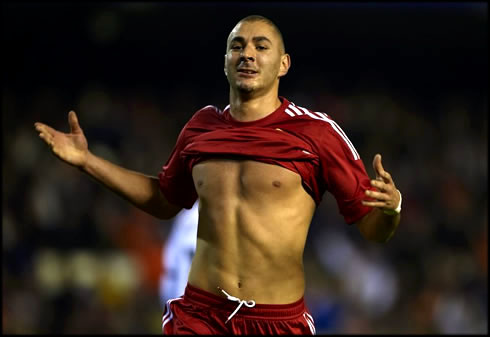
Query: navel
239,284
276,183
199,183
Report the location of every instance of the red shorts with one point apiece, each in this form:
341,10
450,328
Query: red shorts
204,313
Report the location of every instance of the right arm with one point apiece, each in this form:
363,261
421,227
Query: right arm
141,190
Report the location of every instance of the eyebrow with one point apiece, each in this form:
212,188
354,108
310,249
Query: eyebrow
255,39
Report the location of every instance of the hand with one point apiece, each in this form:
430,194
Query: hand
70,147
387,197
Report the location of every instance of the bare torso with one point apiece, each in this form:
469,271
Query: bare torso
253,222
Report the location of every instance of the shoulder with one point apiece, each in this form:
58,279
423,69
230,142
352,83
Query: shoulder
314,121
322,129
206,115
296,110
208,111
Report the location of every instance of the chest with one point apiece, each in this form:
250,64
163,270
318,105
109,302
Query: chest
227,177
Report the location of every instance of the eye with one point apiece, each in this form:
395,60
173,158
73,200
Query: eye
262,47
235,47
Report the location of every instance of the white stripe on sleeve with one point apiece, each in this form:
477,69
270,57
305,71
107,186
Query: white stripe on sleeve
289,112
295,109
324,117
344,136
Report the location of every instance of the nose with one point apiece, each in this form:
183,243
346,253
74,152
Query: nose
247,54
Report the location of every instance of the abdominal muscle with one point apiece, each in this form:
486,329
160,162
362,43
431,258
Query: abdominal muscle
253,223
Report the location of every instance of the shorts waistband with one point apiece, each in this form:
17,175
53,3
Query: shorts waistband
204,298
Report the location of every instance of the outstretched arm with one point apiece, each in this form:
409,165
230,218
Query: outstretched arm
380,224
141,190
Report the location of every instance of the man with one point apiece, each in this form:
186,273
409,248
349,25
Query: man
259,169
177,253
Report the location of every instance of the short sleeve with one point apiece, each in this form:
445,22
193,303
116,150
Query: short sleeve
344,173
175,177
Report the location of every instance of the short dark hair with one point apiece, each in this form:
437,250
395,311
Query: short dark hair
254,18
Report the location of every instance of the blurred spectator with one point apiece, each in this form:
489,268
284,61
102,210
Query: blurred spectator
177,253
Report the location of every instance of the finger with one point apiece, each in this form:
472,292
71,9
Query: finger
387,177
381,174
378,195
46,136
43,136
380,204
377,166
73,120
44,128
380,185
47,139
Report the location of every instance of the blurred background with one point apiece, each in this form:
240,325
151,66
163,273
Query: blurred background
407,80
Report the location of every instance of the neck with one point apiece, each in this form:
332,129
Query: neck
246,108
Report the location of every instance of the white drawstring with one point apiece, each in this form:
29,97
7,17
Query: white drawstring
249,304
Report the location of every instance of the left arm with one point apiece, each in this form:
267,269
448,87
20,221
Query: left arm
381,222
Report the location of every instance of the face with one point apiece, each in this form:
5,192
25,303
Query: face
254,59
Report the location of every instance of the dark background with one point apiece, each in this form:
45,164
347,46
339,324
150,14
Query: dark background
426,49
408,80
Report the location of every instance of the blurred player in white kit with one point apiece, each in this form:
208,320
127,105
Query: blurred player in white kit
177,253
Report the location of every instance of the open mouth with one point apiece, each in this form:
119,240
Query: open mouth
247,71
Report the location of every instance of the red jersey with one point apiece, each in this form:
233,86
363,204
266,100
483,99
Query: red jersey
304,141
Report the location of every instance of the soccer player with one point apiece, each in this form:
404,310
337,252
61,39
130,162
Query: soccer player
259,168
177,253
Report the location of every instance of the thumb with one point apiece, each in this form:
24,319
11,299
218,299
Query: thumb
377,166
73,120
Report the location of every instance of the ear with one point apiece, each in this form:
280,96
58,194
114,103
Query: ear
285,64
226,73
